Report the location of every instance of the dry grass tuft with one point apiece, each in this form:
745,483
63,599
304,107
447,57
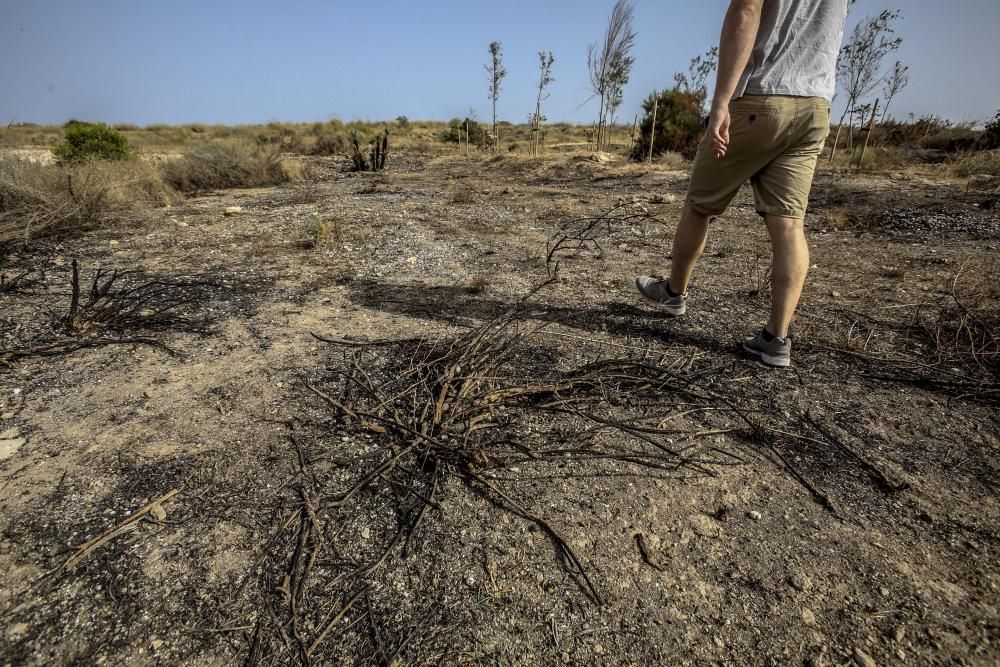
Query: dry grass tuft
321,232
838,219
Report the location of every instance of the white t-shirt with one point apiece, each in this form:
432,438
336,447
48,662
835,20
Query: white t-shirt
796,49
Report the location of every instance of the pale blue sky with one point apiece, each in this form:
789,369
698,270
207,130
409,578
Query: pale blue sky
181,61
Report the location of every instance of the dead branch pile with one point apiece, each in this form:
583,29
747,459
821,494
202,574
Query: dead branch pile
950,345
113,307
460,410
128,300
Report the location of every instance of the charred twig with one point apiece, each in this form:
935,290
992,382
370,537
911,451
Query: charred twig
85,550
584,234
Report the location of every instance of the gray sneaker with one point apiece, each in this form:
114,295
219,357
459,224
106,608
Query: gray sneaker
778,352
654,290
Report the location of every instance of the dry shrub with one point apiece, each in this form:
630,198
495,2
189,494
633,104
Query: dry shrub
973,164
882,158
672,160
329,144
461,193
295,170
49,201
226,166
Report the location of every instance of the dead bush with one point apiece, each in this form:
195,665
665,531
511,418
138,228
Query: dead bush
49,201
226,166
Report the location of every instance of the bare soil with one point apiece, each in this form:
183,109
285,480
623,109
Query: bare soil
844,510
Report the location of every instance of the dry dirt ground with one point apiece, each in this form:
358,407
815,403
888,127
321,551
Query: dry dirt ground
173,489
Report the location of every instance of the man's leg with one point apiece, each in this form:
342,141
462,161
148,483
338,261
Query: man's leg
788,270
689,242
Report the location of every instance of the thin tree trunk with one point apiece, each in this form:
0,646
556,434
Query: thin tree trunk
652,128
871,126
840,126
600,126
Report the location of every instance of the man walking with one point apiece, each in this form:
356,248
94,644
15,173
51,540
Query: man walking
769,121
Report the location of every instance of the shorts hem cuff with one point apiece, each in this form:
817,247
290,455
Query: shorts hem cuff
782,211
701,210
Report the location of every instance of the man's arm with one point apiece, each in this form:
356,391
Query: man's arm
739,30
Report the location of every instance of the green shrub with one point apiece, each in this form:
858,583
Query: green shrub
679,124
990,138
226,166
83,141
378,151
952,140
478,135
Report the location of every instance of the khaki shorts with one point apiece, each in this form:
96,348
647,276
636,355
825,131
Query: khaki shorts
774,140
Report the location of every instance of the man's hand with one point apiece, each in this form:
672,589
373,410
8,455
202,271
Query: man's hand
718,129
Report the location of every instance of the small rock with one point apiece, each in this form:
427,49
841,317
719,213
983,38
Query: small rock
862,659
663,199
899,633
8,447
10,434
17,630
232,210
366,533
112,242
7,415
835,293
156,644
157,512
411,260
753,514
800,582
808,617
705,526
598,649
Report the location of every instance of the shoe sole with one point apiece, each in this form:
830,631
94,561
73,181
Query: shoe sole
774,362
673,311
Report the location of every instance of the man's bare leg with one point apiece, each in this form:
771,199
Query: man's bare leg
689,242
788,271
